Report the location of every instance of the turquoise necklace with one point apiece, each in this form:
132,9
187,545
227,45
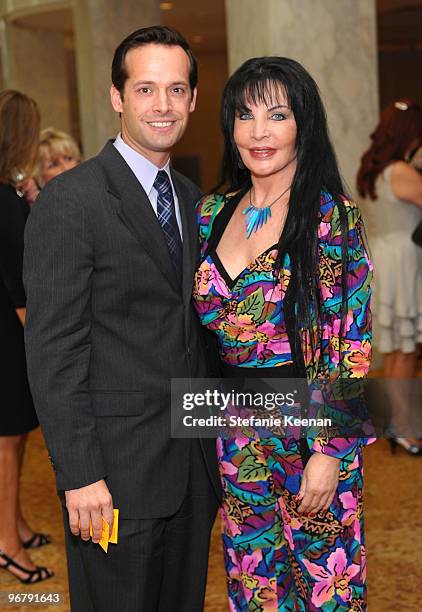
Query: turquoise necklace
256,216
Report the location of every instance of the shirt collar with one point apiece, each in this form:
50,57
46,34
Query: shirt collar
144,170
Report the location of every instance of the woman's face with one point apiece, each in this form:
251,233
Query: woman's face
56,164
265,136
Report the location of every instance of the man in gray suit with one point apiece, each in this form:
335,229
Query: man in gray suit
110,253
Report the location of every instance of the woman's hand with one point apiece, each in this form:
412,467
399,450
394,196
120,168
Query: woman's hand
319,483
30,190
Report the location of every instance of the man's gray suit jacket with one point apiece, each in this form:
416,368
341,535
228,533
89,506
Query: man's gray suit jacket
108,325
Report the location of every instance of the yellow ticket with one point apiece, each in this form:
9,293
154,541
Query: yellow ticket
115,531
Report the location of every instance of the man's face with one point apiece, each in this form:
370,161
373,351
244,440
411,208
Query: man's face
156,100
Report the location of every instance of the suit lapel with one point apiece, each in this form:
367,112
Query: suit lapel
136,212
190,242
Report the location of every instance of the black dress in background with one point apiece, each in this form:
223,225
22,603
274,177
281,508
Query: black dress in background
17,413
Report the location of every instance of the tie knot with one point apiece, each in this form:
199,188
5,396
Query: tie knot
162,182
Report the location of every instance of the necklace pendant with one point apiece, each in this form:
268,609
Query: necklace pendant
256,218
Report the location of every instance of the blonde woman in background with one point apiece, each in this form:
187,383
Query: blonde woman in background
19,133
58,152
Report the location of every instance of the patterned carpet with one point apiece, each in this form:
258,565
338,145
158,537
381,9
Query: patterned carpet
393,507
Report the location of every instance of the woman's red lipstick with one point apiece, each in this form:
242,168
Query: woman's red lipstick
262,152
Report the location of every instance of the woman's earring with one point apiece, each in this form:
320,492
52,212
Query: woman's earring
240,163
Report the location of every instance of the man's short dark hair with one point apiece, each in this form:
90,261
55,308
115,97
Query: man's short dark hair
157,35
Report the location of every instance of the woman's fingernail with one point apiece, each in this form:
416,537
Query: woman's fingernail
312,514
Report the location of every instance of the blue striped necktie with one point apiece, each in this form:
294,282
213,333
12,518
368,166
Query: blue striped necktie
166,215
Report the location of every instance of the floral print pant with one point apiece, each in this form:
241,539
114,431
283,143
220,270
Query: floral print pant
277,559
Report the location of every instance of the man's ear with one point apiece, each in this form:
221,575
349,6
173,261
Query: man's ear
193,101
116,99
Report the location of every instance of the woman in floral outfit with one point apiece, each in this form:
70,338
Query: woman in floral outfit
283,284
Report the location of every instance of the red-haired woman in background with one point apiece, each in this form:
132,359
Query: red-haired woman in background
19,134
386,176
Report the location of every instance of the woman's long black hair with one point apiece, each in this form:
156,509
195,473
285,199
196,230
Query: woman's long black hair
259,80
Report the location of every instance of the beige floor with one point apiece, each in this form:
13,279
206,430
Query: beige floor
393,506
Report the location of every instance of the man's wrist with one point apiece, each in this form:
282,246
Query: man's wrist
75,483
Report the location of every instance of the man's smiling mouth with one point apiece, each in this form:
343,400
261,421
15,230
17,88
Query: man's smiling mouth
161,124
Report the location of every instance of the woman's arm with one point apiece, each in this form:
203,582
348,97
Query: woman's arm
406,183
347,351
346,355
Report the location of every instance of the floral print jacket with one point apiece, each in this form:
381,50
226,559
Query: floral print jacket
342,357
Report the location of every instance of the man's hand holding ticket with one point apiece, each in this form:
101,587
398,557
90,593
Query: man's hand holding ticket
89,508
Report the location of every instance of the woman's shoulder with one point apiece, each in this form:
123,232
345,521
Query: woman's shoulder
331,205
208,202
9,198
402,171
208,207
337,212
6,189
212,203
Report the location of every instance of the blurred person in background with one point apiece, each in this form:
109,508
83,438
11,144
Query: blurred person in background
395,187
58,152
19,132
416,160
